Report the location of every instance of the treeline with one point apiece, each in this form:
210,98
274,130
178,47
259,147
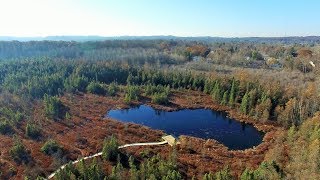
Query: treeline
134,52
171,52
34,79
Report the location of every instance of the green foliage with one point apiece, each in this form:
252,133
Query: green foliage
255,55
132,94
262,110
110,148
32,131
232,95
172,175
208,176
267,170
5,127
11,115
66,173
247,175
302,153
153,168
81,171
160,94
244,104
134,173
216,92
67,116
157,168
95,88
117,171
19,153
252,100
53,107
53,77
208,85
223,174
225,98
112,89
51,147
160,98
30,178
198,82
75,83
150,89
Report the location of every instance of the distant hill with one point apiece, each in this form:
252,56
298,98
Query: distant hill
283,40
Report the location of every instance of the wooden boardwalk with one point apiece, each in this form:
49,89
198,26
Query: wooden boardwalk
169,139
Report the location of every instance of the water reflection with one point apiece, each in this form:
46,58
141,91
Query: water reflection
203,123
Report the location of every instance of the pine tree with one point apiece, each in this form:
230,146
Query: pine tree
252,99
130,79
117,170
133,169
32,131
83,169
232,93
247,175
244,104
208,176
225,98
216,94
110,148
223,174
207,86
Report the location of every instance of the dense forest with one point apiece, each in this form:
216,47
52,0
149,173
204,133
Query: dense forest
267,82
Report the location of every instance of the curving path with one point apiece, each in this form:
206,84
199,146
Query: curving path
143,144
100,153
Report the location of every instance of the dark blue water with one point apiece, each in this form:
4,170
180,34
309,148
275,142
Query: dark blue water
203,123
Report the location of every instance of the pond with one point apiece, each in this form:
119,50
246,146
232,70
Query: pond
202,123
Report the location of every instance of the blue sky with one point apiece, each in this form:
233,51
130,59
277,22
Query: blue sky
225,18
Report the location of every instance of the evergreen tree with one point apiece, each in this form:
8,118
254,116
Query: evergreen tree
117,170
19,153
110,148
207,86
133,169
216,94
132,93
208,176
32,131
232,95
95,88
224,174
244,104
53,107
112,89
225,98
5,127
247,175
51,147
252,98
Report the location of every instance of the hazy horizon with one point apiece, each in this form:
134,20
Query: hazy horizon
159,36
183,18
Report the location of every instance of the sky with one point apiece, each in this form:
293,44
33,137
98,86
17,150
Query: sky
223,18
